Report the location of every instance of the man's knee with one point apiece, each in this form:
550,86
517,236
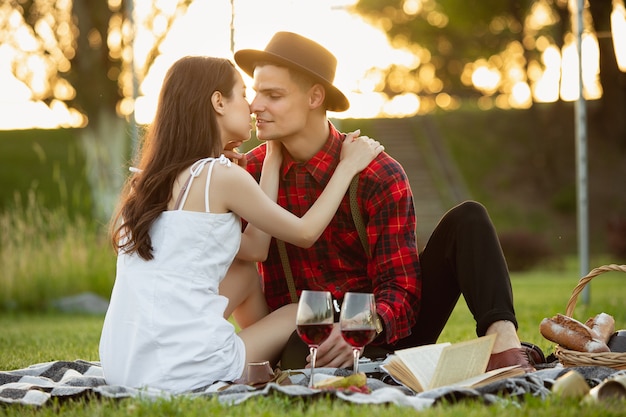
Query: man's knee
471,209
470,213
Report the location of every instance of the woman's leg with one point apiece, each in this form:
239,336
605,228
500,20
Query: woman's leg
265,334
242,287
266,338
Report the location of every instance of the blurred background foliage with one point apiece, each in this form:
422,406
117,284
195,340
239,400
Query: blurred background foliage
455,38
516,156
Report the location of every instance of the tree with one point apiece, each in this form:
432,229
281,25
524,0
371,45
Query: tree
456,34
86,49
609,115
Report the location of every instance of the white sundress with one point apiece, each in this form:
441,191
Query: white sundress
164,327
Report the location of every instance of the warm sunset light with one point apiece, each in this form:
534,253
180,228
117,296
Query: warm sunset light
618,28
569,65
546,86
485,78
205,30
358,72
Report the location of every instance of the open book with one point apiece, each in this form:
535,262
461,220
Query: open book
462,364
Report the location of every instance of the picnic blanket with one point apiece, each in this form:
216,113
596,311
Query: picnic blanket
38,383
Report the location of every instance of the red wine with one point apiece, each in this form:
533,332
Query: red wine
359,337
314,334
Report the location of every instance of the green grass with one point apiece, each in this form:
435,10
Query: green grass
282,406
49,248
48,164
46,255
29,338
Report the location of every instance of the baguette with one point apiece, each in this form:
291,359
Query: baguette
603,325
571,334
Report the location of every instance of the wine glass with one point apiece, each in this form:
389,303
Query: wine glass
358,322
314,321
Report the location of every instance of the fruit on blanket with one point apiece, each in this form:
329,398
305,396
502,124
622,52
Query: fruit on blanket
356,380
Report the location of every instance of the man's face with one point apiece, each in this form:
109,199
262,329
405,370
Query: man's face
280,105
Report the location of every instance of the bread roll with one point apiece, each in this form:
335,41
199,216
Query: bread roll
603,325
571,334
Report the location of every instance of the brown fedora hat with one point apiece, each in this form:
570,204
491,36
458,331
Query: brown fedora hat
295,51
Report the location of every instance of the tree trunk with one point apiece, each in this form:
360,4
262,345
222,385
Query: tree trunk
106,148
607,119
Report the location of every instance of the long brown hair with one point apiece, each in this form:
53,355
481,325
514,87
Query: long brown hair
184,130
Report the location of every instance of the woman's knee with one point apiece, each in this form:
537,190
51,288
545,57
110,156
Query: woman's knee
246,273
241,283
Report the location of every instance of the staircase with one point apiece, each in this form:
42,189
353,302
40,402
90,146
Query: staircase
435,181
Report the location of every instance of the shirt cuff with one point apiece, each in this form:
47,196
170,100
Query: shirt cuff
386,317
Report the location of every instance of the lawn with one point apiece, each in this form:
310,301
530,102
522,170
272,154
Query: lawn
29,338
49,248
47,165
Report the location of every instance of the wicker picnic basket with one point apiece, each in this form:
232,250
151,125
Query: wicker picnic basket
569,358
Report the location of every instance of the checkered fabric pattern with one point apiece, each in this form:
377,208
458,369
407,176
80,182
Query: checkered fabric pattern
39,383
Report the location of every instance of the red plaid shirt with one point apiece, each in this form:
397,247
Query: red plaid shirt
337,262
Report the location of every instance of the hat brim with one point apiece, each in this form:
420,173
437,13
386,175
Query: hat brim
247,59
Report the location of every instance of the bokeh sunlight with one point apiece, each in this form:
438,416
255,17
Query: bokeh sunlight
364,54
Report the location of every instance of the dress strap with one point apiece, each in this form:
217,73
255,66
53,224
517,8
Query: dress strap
194,172
223,161
179,199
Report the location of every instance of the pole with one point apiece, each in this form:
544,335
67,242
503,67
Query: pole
232,27
134,134
581,160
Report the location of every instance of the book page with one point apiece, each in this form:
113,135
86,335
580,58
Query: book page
492,376
422,361
462,361
401,374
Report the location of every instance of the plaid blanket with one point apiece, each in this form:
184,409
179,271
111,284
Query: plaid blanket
37,384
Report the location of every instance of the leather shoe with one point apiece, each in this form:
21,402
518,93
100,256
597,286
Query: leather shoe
514,356
534,353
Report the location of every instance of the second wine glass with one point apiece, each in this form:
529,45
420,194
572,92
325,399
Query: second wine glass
314,321
358,322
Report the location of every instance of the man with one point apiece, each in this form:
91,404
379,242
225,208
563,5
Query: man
293,80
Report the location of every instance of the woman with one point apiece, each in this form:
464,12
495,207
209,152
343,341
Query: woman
178,230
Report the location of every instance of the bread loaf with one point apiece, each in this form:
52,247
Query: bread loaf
603,325
571,334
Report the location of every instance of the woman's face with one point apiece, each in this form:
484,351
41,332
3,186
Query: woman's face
236,122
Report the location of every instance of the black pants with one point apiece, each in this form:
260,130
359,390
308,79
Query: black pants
462,256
